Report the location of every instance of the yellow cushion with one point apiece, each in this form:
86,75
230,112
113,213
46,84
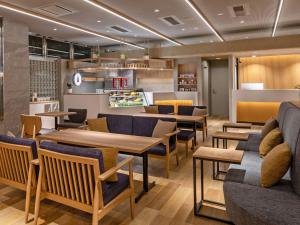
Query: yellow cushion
110,158
99,124
272,139
163,127
275,165
151,109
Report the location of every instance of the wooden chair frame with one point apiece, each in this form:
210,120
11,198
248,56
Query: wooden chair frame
76,182
168,155
35,126
186,143
16,170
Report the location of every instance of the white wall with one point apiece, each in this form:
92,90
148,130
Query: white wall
155,81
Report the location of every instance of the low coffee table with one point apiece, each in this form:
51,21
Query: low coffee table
236,125
225,136
214,155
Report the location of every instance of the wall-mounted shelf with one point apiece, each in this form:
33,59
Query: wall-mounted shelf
187,77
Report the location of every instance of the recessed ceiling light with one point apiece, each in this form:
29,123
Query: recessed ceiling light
156,10
182,29
98,21
202,17
196,28
242,21
211,41
253,56
58,22
129,20
246,37
218,58
220,14
55,29
108,31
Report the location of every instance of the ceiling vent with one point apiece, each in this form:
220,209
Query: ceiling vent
56,10
171,20
239,10
119,29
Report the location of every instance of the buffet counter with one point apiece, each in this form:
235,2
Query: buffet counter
256,106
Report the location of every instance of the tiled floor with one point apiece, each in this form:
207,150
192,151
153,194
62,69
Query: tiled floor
169,202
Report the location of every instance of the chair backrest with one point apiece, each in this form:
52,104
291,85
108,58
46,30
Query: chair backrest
79,117
119,124
70,180
15,157
31,125
166,109
188,110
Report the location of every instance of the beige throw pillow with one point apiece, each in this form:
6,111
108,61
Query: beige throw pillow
271,124
272,139
99,124
199,112
110,158
153,109
162,128
275,165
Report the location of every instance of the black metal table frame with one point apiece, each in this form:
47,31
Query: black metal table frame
218,172
198,205
146,185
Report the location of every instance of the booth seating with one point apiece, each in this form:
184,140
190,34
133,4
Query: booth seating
175,103
186,136
144,126
16,166
246,201
166,109
78,179
188,111
74,121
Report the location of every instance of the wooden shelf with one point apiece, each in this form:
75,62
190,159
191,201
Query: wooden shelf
187,72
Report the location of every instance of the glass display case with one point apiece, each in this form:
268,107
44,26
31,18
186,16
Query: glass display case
127,98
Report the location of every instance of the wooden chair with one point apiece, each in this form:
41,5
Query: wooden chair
76,181
31,126
17,169
154,152
186,137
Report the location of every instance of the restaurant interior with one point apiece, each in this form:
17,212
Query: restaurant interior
138,112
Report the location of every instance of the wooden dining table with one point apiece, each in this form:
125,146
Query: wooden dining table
127,144
56,115
179,118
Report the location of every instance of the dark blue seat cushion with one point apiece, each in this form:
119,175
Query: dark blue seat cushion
161,149
185,135
77,151
165,109
189,125
113,189
20,141
144,126
188,110
120,124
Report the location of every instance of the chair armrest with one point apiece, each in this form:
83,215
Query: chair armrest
35,162
171,113
113,170
167,136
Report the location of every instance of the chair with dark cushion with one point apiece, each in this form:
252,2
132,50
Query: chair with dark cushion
247,202
74,121
166,109
81,179
186,136
144,126
188,111
16,163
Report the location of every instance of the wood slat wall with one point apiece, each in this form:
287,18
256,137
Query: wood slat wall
276,72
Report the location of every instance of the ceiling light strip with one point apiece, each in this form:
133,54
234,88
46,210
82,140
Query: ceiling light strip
74,27
202,17
123,17
277,17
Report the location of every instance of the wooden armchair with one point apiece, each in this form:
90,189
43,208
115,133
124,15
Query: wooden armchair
165,150
76,181
31,126
15,167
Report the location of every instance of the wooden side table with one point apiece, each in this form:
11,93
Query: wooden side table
225,136
214,155
236,125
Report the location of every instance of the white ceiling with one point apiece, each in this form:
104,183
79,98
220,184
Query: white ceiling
257,24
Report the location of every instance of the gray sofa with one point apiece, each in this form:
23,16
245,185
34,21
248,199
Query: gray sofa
246,201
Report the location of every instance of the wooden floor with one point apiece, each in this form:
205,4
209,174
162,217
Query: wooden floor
169,202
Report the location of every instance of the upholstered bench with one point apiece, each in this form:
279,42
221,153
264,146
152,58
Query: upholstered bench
186,136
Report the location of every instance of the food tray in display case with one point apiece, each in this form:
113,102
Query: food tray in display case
127,98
